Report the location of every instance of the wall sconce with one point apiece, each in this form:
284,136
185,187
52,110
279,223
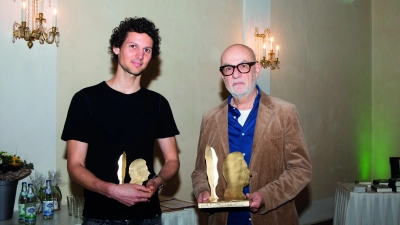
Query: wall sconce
34,8
261,49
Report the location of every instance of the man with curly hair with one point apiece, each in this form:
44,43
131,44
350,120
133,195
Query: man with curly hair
117,116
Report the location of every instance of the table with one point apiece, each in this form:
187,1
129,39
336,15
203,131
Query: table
60,218
369,208
176,217
185,216
178,212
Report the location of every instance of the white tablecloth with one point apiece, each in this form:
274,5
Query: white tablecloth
369,208
182,217
185,216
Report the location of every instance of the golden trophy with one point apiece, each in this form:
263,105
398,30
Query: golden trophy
236,175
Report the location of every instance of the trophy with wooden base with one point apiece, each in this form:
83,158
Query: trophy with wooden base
236,175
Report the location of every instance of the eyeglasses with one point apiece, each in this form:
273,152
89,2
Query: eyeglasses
241,67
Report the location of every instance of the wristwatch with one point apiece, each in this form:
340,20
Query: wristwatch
163,183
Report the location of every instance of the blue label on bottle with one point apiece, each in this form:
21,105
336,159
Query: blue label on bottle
31,210
48,208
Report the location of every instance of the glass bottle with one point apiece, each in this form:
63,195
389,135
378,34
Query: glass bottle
30,207
48,202
57,197
39,199
38,203
21,203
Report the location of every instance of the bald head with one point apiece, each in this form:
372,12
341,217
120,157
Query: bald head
238,50
239,63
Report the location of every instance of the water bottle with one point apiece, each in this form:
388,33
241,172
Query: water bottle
48,202
30,207
21,203
57,197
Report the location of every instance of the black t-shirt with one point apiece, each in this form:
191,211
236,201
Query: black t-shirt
111,123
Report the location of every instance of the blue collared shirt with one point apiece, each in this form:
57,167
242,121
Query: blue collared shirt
241,140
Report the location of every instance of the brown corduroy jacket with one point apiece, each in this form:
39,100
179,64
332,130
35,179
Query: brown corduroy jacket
280,166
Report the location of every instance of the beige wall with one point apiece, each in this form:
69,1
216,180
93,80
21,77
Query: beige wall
326,72
385,83
27,93
194,34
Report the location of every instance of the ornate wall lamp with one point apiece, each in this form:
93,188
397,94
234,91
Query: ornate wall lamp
261,50
35,20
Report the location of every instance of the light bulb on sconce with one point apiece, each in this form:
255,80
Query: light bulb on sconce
37,22
264,49
261,40
55,17
40,6
23,12
270,42
277,51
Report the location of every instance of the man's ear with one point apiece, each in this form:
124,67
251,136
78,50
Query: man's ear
258,69
116,50
222,76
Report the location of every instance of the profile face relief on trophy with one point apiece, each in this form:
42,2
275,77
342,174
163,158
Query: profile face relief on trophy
236,175
138,171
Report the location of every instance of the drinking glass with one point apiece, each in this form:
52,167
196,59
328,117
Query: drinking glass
79,203
71,206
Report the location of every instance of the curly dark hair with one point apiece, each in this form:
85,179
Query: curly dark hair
138,25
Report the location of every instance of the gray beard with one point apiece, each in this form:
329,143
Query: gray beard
253,85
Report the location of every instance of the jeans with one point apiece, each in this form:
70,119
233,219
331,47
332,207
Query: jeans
151,221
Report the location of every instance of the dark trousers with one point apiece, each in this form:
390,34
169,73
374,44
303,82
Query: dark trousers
151,221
